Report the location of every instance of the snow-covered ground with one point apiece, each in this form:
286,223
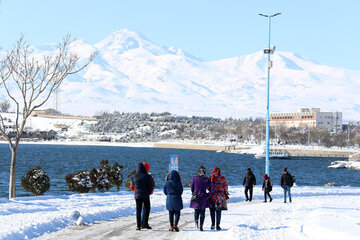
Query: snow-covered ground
315,213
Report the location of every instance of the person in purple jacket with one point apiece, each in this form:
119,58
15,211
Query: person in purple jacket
199,184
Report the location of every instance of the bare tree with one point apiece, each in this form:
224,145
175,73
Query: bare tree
29,79
4,106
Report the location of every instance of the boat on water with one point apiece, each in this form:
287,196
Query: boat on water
279,154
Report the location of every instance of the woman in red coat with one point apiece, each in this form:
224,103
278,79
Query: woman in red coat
219,197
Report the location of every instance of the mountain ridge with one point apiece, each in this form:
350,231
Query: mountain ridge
133,74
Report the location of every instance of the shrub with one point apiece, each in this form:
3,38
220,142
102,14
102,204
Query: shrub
36,181
99,177
115,175
79,182
128,182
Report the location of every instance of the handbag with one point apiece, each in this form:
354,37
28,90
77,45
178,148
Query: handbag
195,198
227,195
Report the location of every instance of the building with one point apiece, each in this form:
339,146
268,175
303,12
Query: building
308,118
48,111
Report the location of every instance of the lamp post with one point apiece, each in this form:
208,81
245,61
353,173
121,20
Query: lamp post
268,51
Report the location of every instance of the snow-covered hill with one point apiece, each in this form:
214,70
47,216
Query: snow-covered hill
133,74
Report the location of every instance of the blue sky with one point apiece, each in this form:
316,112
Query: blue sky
326,31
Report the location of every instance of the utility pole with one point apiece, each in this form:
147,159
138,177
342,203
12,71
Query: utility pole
268,51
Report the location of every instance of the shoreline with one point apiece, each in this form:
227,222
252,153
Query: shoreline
351,154
87,143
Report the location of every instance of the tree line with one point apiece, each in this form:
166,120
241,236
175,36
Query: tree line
136,127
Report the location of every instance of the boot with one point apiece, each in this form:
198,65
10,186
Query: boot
197,224
212,226
147,226
218,228
176,228
201,228
270,199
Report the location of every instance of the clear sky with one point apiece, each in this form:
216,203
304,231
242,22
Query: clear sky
327,31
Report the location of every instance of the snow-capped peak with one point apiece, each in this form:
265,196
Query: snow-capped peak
124,40
131,73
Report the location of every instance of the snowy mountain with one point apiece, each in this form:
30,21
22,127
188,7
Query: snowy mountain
133,74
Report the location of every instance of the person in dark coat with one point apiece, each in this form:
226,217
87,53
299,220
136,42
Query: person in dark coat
142,185
147,167
173,190
199,184
219,197
267,187
249,182
286,182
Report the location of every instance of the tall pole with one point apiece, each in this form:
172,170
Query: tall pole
269,65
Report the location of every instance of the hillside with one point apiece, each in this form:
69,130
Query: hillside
133,74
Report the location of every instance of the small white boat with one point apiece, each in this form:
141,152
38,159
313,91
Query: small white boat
338,164
279,154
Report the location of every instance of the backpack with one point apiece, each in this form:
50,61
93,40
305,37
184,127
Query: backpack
269,185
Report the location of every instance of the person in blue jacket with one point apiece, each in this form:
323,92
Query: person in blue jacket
173,190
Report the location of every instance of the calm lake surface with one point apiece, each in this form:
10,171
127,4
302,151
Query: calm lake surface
59,160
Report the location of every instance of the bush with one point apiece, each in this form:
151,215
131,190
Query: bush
79,182
101,178
36,181
128,182
115,175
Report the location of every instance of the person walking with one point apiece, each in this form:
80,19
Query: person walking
173,190
199,200
249,182
218,199
286,182
142,185
147,167
267,187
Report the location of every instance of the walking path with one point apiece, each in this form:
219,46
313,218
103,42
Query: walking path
312,217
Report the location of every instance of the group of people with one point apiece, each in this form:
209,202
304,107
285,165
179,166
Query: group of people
286,182
207,192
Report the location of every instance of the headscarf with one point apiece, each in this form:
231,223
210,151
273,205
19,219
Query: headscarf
201,171
216,172
147,167
174,176
266,177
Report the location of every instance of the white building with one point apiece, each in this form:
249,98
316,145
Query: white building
308,117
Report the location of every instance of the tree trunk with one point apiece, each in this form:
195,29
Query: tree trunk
12,174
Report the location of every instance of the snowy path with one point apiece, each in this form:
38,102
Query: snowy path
315,213
330,217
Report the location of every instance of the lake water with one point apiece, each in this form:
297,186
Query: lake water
59,160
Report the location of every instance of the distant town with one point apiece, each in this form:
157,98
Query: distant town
307,126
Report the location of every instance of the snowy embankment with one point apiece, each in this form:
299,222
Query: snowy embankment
315,211
345,164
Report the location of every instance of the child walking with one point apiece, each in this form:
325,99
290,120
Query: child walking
267,187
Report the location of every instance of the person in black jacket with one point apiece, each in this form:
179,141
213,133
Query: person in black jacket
142,184
249,182
286,182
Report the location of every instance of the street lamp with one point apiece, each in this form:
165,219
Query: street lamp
268,51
